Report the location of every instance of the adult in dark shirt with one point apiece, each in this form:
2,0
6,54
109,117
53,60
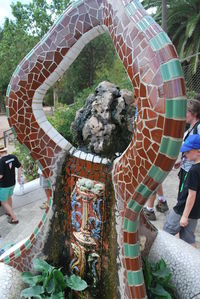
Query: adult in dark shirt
8,163
183,218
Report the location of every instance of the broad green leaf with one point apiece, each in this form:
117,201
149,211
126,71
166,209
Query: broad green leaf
162,264
162,273
31,279
160,291
59,280
41,266
60,295
147,273
51,286
33,291
75,283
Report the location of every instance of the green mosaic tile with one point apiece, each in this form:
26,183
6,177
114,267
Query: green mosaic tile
18,252
131,251
27,244
36,231
76,3
130,226
49,183
134,206
59,19
144,191
6,260
131,10
14,133
44,217
8,90
29,54
145,23
135,278
176,108
157,174
50,201
39,164
170,147
171,69
7,112
44,38
159,41
16,71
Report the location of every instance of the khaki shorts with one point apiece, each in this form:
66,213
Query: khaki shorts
172,226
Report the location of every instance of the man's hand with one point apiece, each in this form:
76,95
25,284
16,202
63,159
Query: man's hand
184,221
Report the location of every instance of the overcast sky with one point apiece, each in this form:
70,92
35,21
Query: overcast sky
5,10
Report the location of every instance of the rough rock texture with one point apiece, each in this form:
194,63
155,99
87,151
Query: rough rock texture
10,282
105,124
182,259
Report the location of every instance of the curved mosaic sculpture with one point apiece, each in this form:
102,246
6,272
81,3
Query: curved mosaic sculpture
155,72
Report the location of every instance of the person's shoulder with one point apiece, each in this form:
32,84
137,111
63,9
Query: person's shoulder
195,168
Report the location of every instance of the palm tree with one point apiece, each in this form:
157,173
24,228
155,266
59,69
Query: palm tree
164,15
183,24
184,29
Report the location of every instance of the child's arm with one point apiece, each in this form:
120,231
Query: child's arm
188,207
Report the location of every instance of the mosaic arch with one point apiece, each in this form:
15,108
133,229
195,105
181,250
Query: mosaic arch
152,65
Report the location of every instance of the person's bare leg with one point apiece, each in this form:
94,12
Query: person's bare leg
151,200
160,190
10,201
8,209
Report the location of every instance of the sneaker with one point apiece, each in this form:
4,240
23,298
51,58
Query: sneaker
149,214
44,206
162,207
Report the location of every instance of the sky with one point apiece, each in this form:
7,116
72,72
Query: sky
5,10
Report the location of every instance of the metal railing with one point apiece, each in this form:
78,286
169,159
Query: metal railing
8,137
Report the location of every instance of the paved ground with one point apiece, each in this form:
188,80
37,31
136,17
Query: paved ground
26,205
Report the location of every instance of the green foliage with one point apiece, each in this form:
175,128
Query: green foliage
64,115
190,94
14,45
28,165
50,283
157,280
183,15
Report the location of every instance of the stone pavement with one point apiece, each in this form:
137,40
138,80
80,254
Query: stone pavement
170,188
27,204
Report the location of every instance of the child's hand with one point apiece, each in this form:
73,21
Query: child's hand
177,165
184,221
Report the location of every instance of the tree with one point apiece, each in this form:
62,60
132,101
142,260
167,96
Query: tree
185,17
14,45
183,21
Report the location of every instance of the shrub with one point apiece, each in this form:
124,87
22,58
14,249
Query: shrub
157,280
29,167
49,283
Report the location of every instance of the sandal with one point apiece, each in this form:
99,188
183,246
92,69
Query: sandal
12,221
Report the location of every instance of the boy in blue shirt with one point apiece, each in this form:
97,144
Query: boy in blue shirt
183,218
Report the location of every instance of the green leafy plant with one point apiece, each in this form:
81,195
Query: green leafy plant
50,283
28,165
157,280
